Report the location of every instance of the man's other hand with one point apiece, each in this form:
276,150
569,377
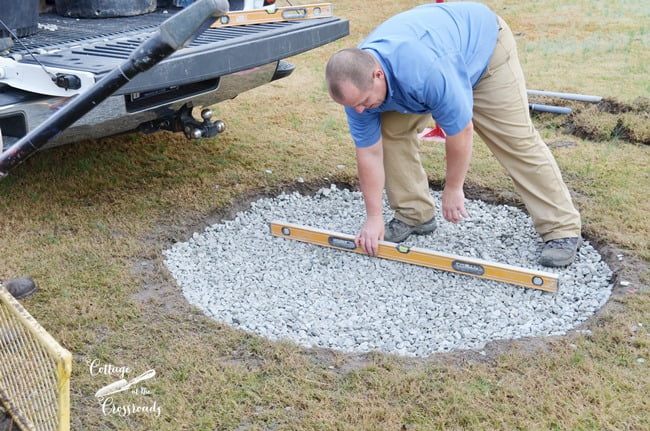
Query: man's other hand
453,205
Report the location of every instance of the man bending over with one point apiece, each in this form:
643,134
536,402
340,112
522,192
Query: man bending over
455,62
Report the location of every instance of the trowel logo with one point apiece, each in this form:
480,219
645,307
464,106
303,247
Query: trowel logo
108,395
122,385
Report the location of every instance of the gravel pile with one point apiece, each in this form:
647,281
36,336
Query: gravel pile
279,288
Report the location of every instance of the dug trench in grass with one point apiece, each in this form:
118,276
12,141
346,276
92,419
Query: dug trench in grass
611,119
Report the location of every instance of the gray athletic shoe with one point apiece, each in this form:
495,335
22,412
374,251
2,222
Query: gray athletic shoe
398,231
560,252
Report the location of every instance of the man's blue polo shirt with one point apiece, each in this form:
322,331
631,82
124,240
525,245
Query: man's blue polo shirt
432,56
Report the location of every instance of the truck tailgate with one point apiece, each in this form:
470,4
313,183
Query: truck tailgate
76,44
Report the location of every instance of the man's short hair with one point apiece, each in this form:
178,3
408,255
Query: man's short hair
351,64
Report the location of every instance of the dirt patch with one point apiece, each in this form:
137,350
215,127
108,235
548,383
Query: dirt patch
606,120
160,293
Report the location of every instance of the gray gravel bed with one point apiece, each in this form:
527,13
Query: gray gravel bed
278,288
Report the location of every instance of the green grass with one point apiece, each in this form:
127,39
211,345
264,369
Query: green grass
89,221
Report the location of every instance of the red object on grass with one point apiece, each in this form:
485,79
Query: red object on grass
435,134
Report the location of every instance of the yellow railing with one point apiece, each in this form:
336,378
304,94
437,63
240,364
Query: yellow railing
34,370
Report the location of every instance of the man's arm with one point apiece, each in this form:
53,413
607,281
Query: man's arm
370,168
458,149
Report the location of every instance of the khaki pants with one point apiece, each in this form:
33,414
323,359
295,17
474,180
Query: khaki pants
501,118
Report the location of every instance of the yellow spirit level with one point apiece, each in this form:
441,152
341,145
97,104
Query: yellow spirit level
274,14
418,256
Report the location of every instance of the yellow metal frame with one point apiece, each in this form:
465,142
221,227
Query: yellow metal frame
274,14
34,349
418,256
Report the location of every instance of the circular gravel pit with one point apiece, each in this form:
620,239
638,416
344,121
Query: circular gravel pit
278,288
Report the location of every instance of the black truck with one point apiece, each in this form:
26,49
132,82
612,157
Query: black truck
70,49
